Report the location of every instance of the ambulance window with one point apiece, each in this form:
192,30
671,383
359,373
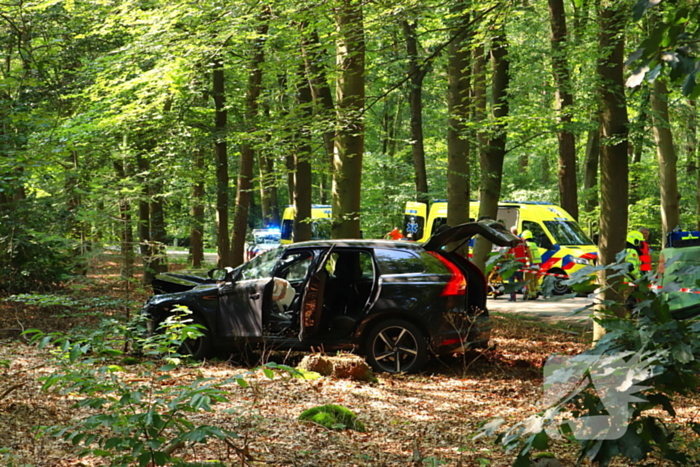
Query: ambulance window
538,234
439,221
567,233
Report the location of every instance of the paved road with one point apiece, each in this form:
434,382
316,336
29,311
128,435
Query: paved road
210,258
552,310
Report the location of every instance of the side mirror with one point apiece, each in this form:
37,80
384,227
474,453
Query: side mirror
219,274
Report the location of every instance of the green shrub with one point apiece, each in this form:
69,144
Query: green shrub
33,257
636,369
333,417
135,419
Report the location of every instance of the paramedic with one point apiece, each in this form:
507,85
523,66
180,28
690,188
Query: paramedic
531,277
645,252
633,253
521,254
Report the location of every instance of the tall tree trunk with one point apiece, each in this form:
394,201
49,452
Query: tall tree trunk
126,233
492,163
667,158
144,224
693,155
416,74
159,257
290,164
78,227
268,191
350,99
590,169
459,106
197,210
245,174
480,102
323,96
568,192
614,126
638,137
691,145
302,162
221,159
640,128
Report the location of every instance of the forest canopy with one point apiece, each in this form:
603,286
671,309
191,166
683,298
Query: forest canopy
176,123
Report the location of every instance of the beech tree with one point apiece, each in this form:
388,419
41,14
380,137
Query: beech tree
350,101
614,146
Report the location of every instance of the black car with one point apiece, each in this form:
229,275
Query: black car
392,301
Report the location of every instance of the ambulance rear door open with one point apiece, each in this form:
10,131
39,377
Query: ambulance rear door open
414,221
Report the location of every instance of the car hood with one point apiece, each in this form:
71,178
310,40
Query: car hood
493,231
178,281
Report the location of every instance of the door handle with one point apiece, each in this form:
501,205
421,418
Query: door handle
254,296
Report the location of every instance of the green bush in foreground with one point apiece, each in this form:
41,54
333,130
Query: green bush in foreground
636,369
140,417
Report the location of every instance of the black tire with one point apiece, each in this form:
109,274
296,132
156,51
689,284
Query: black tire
559,288
201,347
396,346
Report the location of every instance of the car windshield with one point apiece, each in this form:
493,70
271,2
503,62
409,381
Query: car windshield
567,233
261,266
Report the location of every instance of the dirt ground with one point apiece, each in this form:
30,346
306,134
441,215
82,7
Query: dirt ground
426,419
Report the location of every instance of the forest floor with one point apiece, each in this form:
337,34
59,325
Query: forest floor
427,419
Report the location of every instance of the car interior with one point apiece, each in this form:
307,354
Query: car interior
332,299
348,289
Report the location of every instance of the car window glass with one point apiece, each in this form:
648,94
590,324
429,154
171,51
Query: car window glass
350,265
294,266
366,265
261,266
394,261
432,265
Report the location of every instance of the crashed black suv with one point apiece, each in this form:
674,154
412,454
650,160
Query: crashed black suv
394,302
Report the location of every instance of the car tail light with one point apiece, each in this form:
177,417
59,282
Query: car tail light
457,285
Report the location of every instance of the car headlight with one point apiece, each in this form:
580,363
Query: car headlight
582,261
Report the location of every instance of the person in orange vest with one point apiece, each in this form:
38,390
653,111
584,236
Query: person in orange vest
521,253
644,251
395,234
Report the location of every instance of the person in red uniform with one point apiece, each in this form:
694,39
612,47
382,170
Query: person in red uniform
645,253
395,234
521,254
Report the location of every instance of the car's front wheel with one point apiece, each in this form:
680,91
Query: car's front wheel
199,347
396,346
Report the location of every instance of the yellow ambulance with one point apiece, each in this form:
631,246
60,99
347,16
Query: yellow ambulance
320,223
563,245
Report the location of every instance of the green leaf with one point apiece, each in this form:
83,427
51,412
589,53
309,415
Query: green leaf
641,7
242,383
144,459
540,441
75,352
682,353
